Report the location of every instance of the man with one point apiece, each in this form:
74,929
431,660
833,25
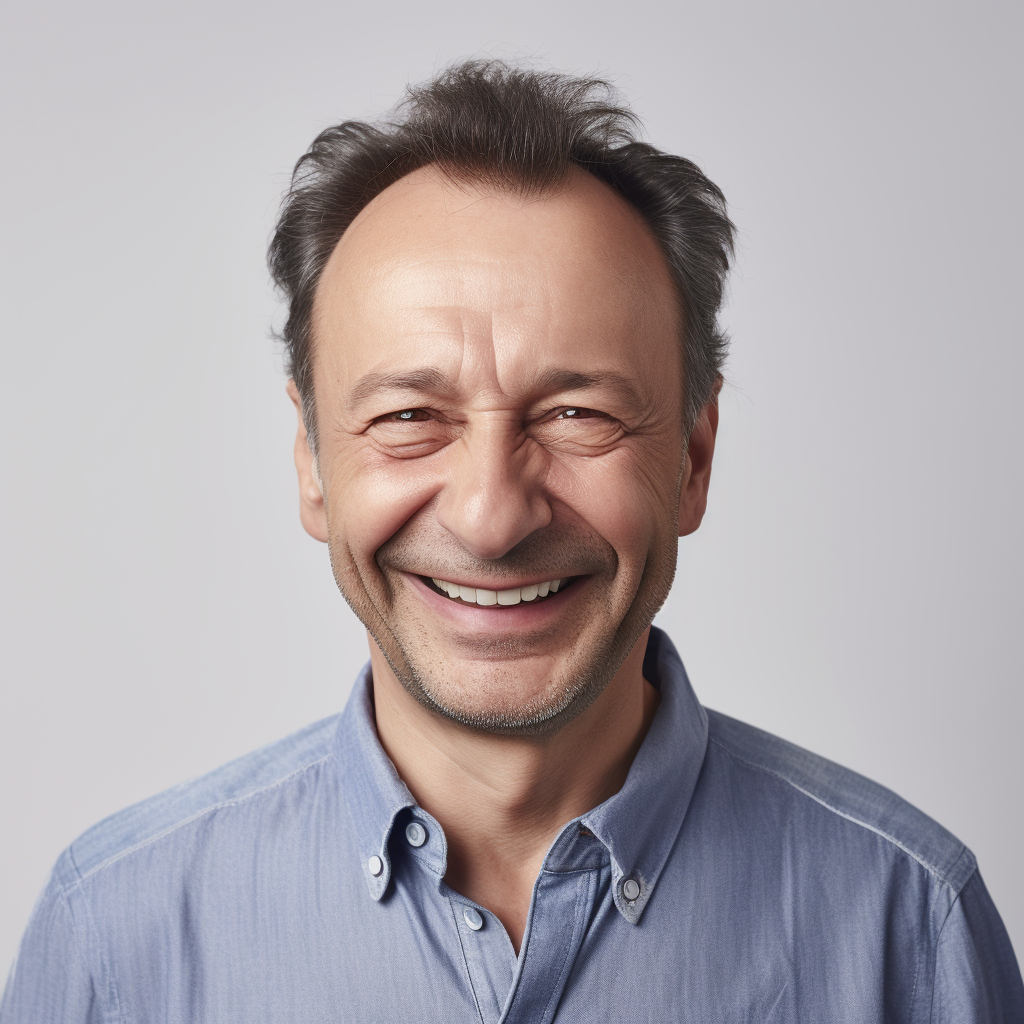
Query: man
505,360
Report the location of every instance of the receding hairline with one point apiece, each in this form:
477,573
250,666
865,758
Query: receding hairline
638,241
475,186
520,128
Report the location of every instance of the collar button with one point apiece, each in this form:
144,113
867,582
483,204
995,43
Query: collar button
415,833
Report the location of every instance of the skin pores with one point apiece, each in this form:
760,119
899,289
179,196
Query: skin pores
499,405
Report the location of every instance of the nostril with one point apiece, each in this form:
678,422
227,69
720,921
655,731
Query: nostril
489,521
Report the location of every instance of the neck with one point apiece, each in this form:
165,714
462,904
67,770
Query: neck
501,800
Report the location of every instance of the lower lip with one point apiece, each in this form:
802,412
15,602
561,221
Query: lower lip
499,618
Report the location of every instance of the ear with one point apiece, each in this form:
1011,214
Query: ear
693,497
312,512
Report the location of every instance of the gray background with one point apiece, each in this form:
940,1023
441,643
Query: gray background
856,584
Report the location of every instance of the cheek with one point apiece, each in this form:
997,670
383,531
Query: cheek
627,496
372,498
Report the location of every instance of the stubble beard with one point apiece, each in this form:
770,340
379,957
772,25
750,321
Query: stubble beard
581,680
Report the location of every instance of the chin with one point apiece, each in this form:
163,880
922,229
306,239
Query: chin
511,698
528,684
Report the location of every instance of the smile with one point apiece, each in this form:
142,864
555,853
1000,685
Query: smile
507,598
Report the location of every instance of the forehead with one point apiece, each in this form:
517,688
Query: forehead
468,278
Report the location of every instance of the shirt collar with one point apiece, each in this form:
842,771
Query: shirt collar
638,825
374,793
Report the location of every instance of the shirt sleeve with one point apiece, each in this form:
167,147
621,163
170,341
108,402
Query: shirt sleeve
977,980
50,982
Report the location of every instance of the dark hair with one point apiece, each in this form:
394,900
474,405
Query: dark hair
522,130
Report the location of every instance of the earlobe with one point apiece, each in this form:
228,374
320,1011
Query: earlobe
312,510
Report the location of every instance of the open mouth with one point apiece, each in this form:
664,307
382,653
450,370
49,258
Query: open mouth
503,598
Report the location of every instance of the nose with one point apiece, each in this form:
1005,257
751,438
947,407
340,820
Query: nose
494,496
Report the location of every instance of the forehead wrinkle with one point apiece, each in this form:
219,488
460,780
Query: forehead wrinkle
487,356
489,300
471,333
444,351
455,282
478,366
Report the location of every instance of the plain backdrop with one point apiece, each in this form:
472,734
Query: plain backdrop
856,586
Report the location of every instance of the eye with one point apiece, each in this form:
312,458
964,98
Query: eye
575,412
410,433
577,430
406,416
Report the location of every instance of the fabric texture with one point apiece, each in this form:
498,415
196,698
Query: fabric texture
770,885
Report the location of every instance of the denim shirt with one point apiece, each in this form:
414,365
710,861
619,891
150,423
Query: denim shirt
734,877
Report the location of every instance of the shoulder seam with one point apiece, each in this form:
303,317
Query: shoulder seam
930,868
235,801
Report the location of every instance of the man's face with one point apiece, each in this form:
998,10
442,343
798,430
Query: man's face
499,404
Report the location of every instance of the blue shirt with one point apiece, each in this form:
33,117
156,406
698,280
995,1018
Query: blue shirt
734,877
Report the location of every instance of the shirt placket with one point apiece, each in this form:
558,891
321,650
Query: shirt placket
488,953
527,989
561,912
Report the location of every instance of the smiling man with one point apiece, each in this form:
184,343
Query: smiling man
505,360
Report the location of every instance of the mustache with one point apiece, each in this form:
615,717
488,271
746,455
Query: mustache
559,550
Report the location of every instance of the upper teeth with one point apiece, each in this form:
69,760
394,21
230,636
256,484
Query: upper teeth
477,595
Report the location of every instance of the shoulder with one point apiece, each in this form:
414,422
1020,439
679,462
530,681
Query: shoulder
247,778
798,775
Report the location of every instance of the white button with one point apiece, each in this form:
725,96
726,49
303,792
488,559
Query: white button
376,865
630,889
415,833
473,918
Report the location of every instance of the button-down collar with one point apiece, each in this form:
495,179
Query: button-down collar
789,880
637,826
374,793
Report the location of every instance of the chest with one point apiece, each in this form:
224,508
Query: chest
423,952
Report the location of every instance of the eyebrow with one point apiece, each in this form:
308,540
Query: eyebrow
427,378
430,379
575,380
